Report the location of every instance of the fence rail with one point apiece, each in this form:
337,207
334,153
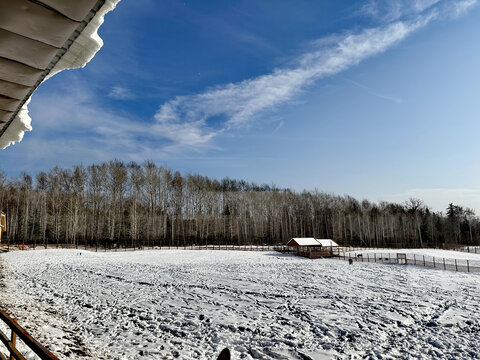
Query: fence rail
134,248
121,247
463,265
469,249
311,253
22,334
114,247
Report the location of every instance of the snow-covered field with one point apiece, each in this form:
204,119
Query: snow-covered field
430,253
448,259
191,304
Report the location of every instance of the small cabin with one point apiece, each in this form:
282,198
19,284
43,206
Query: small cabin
312,242
311,248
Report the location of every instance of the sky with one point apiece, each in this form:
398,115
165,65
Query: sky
376,99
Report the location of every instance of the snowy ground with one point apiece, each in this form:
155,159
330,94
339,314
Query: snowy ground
428,255
191,304
437,253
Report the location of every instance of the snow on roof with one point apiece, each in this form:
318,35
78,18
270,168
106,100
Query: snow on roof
313,242
306,241
327,242
39,39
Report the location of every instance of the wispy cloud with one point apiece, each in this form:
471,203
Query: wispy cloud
462,7
373,92
121,93
193,135
391,10
80,128
197,119
279,126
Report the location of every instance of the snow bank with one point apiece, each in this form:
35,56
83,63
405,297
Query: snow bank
190,304
82,50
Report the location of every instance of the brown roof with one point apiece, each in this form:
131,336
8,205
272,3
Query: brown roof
34,35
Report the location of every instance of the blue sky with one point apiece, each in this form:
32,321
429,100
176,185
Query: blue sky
376,99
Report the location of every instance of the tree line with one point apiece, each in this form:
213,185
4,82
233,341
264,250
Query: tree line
119,204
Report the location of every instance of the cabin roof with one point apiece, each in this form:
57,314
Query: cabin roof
313,242
306,241
327,242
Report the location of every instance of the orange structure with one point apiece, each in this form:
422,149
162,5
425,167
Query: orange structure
3,224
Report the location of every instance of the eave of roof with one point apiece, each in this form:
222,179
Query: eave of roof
37,40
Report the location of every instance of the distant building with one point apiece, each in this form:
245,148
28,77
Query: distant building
311,247
311,242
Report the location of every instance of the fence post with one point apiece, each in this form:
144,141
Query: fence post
468,266
13,341
375,257
444,267
414,259
423,260
434,262
456,267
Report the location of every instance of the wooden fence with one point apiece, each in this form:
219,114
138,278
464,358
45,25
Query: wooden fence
312,253
10,343
469,249
414,259
134,248
119,247
113,247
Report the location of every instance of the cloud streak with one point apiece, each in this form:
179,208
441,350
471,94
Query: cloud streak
195,120
373,92
81,128
391,10
120,93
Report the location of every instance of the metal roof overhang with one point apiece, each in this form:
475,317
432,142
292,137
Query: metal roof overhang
34,35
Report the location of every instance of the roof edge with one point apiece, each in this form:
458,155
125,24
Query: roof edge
77,51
